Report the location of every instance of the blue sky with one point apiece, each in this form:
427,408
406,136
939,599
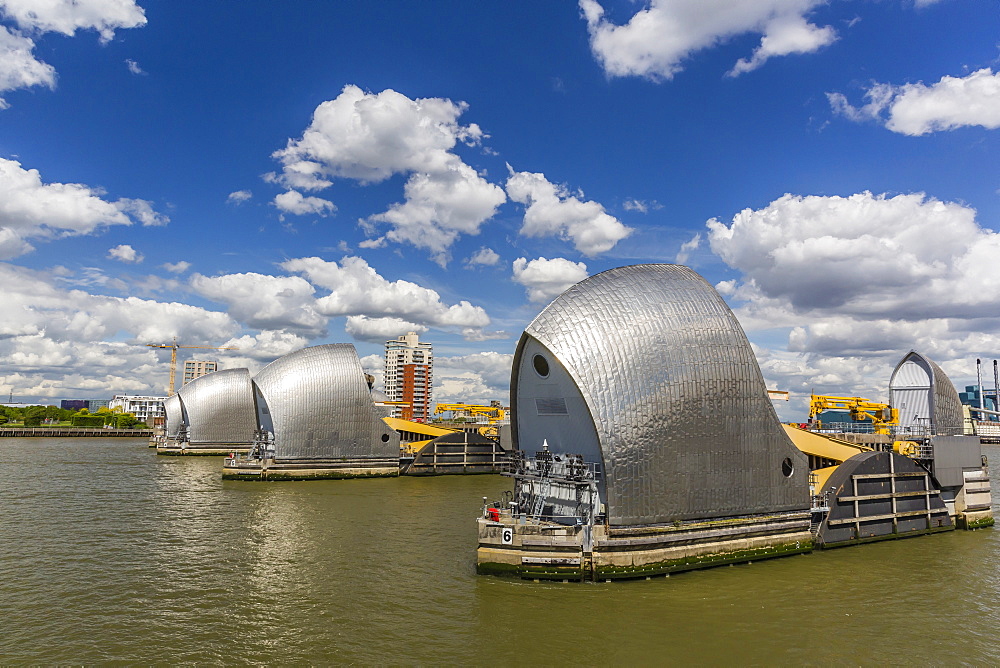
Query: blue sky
273,175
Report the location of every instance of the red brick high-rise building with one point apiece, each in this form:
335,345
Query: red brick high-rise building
409,366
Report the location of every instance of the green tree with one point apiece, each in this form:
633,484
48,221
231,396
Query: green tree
126,421
33,416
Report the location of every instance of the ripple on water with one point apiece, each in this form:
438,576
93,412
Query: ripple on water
110,553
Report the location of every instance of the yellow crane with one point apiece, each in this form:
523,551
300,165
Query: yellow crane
882,416
173,358
493,414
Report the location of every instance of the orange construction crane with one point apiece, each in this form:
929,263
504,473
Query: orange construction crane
173,357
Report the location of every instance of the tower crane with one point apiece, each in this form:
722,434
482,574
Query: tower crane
173,357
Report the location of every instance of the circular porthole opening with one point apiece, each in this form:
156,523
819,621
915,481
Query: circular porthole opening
541,365
787,468
385,438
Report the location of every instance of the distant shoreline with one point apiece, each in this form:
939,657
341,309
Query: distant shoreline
85,432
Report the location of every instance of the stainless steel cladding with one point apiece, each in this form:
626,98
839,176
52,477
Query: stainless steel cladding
318,405
219,408
927,400
175,416
645,370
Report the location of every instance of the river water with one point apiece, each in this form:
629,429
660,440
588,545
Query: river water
109,553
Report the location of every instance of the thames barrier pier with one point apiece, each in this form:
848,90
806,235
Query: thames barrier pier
212,415
645,444
316,419
656,446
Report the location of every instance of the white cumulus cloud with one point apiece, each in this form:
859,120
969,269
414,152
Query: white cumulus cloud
545,279
551,210
265,302
907,256
439,207
641,206
478,378
177,267
379,330
378,242
294,203
918,109
687,248
785,35
18,66
125,253
57,341
656,41
32,209
368,137
858,281
356,289
254,351
66,17
238,197
484,257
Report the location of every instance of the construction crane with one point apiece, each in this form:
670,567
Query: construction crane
173,358
882,416
494,415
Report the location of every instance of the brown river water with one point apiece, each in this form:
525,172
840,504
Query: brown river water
110,554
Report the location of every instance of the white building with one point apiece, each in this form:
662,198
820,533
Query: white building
409,366
145,409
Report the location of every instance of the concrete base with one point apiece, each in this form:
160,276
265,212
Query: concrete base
177,451
975,519
270,469
555,552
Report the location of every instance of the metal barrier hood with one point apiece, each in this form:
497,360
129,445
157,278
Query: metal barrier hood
925,397
219,408
317,403
175,416
645,370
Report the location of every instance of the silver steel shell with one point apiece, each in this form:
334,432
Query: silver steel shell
319,406
219,408
925,396
175,415
671,389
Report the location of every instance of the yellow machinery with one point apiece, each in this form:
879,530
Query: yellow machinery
173,358
408,426
825,452
493,414
882,416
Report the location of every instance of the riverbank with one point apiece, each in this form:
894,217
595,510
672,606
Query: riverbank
72,432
